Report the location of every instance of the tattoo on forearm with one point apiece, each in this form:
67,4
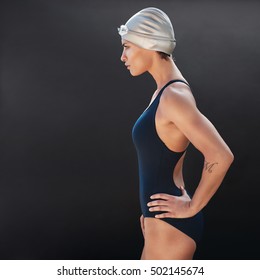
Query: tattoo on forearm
209,166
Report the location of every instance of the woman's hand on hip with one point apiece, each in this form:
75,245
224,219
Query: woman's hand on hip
172,206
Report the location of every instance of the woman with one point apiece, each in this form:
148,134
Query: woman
172,221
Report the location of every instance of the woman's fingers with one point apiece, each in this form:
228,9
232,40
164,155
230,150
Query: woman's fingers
171,206
164,215
157,203
159,208
164,196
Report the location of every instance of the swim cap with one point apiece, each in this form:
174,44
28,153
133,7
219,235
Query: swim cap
150,29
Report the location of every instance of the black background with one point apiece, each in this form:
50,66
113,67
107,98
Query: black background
68,167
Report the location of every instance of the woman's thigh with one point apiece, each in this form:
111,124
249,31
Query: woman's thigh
163,241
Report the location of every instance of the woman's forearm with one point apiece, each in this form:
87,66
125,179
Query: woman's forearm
214,171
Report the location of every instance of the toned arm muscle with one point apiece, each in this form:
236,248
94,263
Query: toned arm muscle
180,109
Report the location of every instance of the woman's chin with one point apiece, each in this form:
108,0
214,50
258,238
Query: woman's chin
135,73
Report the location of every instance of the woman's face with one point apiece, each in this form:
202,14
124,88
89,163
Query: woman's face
136,59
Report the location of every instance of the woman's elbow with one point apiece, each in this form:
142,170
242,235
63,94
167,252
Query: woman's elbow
231,157
228,157
223,155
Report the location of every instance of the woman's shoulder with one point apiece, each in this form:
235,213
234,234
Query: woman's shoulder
177,94
178,105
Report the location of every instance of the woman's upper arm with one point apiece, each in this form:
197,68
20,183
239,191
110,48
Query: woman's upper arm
180,108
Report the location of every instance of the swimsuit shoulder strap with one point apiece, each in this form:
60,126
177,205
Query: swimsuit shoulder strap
171,82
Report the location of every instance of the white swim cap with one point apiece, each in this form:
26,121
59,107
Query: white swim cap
150,29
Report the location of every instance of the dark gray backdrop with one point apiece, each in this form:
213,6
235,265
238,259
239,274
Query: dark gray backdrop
68,168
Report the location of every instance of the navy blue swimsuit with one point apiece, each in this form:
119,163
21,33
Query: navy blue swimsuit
156,164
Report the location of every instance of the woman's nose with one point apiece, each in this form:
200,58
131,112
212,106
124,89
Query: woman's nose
123,57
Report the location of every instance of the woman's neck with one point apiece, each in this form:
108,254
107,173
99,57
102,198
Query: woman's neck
163,71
